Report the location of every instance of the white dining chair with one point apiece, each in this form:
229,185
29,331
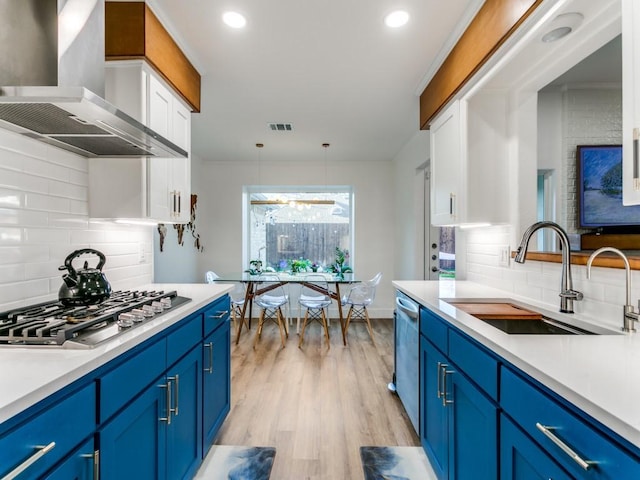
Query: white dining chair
314,302
270,304
358,299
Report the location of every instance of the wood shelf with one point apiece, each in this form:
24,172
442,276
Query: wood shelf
609,260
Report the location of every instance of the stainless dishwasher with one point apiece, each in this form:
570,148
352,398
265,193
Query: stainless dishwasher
406,355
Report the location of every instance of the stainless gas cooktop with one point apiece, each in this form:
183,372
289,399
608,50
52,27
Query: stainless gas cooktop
53,324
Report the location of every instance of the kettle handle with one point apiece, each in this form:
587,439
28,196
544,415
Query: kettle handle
67,263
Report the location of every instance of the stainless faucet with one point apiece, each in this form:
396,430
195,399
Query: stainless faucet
629,315
567,293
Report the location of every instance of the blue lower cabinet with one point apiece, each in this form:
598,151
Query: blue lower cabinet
522,459
434,431
184,434
473,429
45,439
216,401
132,445
459,423
81,464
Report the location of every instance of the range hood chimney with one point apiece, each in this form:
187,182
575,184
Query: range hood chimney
52,58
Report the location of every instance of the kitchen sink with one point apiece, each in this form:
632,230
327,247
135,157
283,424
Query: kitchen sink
543,326
516,318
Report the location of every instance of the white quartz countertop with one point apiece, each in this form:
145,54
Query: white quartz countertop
30,374
600,374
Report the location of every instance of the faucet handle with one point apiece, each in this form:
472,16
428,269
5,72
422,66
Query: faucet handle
574,295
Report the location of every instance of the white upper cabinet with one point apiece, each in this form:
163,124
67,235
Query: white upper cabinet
446,166
157,189
469,166
631,102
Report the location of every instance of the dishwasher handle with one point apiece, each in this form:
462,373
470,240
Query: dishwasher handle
408,308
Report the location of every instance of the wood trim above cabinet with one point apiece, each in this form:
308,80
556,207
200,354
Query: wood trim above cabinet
132,31
495,22
580,258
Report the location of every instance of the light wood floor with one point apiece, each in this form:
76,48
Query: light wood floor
316,406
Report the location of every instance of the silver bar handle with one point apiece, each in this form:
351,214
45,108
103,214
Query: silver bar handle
220,315
209,369
445,372
636,160
95,457
176,385
439,374
168,386
42,451
547,430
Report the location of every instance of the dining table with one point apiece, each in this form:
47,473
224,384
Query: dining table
257,284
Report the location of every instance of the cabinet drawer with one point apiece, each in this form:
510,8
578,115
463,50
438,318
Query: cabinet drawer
62,427
475,362
81,465
216,314
184,338
434,329
121,385
531,408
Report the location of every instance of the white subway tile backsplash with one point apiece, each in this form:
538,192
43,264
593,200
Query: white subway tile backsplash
12,216
11,198
17,291
23,253
67,190
79,207
36,201
46,236
23,181
11,161
87,237
34,271
10,236
78,178
12,273
71,222
42,168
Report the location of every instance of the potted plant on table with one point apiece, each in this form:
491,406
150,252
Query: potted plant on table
339,267
255,267
299,265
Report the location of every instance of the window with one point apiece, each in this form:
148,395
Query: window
283,224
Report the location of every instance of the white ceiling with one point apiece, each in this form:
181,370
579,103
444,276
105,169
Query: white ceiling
331,67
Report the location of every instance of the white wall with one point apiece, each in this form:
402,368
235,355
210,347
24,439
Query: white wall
220,213
44,217
409,207
179,263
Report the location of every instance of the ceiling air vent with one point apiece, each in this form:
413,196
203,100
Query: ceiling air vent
281,127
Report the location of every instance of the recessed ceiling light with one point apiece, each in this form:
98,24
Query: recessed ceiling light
234,19
561,26
396,19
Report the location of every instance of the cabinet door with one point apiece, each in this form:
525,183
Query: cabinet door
184,446
79,466
473,430
180,168
522,459
160,108
446,167
631,104
217,382
434,431
133,444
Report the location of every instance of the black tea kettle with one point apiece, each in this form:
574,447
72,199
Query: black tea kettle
85,286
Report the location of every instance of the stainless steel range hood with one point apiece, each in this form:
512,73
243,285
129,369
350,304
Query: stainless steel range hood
52,55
